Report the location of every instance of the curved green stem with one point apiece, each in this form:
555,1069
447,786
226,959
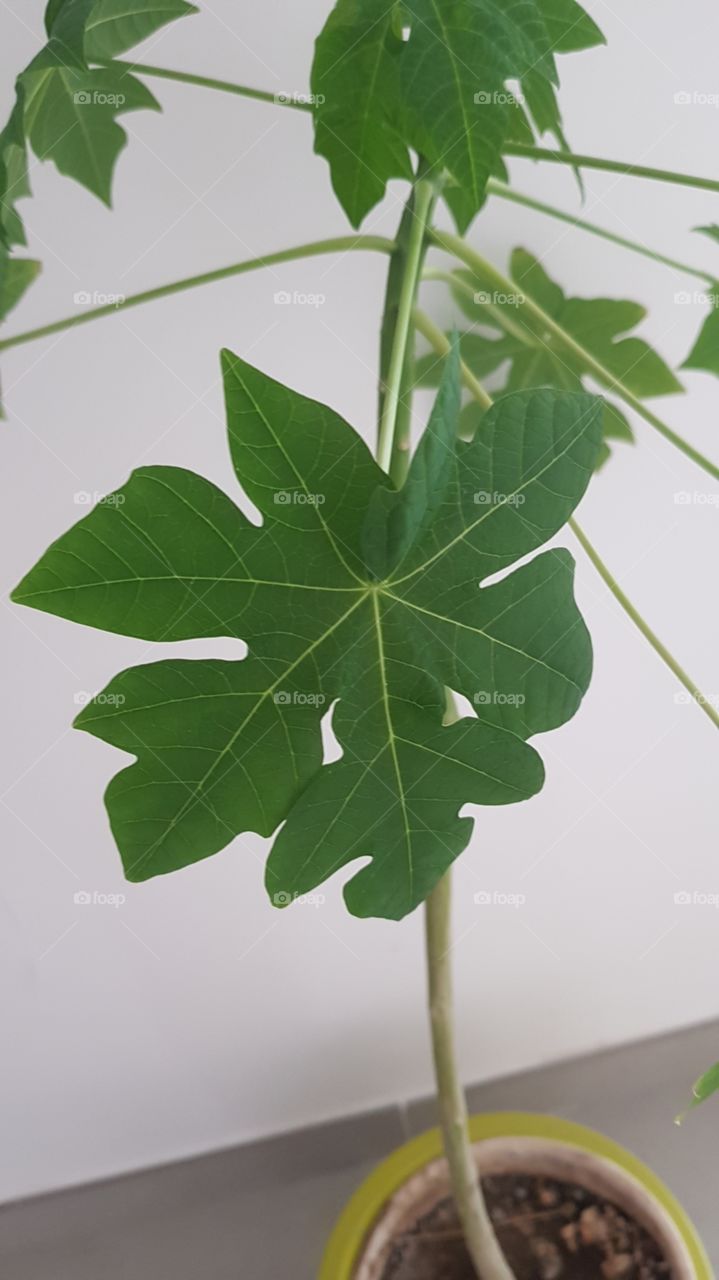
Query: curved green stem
208,82
642,625
424,201
500,189
441,346
610,166
482,1244
316,248
460,249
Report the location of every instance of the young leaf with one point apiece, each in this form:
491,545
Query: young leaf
114,26
598,324
67,111
71,119
432,78
704,355
224,747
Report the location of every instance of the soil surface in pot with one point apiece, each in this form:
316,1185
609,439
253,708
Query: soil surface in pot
549,1230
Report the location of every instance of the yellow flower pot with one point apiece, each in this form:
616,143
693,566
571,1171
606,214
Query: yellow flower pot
346,1246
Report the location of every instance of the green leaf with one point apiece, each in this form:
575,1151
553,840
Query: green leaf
534,359
704,355
68,112
712,231
16,276
355,82
569,27
703,1089
348,595
116,25
14,181
429,77
71,119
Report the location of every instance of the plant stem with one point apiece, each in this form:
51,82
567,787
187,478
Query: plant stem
438,340
441,346
207,82
483,1246
460,249
393,454
424,200
643,626
340,244
610,166
497,188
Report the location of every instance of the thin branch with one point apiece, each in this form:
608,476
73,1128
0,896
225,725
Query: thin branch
340,244
297,102
500,189
610,166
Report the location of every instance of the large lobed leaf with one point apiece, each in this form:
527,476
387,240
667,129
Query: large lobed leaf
431,77
348,593
505,336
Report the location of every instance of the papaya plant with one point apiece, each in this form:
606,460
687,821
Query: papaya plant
369,588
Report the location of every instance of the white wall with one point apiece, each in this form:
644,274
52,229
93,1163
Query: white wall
194,1016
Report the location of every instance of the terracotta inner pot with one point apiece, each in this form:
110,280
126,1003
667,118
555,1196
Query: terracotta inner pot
533,1156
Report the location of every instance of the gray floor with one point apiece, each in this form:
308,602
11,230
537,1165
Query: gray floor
262,1212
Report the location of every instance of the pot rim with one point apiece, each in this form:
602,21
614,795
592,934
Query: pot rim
364,1207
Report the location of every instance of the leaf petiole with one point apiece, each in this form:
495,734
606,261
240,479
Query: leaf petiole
610,166
299,102
316,248
505,192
